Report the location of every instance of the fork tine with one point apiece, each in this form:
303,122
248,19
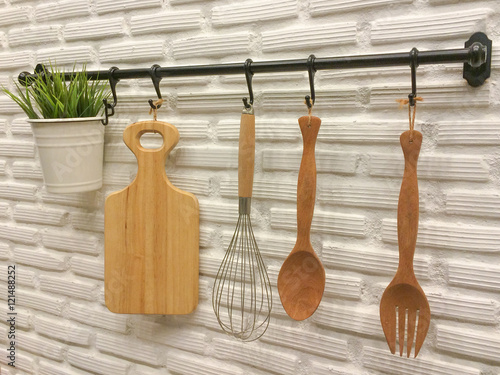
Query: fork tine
388,320
412,317
423,326
401,317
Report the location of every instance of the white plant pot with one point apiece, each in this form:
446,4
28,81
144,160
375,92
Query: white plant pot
71,153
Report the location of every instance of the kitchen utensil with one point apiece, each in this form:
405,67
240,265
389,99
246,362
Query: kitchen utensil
242,297
404,304
301,280
151,235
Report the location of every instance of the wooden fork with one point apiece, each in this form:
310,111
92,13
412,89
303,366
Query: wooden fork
404,302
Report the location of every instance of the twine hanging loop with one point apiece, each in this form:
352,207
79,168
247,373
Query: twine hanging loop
154,111
309,111
411,116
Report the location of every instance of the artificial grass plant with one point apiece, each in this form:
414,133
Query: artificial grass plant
50,96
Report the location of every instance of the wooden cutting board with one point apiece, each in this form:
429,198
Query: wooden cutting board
151,235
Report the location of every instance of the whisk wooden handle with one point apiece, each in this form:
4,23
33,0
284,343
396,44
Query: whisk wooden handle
246,155
408,210
306,186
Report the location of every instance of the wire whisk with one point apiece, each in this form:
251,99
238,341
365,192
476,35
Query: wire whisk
242,296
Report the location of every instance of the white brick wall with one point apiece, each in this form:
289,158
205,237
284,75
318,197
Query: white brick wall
56,240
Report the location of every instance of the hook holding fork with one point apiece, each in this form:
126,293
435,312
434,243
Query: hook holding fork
311,72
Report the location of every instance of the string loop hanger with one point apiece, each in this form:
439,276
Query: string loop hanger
109,108
156,83
311,70
248,102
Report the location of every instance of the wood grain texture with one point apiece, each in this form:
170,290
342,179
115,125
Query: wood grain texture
151,235
246,155
301,281
404,299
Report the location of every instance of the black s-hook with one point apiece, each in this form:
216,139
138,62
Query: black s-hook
248,76
110,106
156,82
311,72
413,66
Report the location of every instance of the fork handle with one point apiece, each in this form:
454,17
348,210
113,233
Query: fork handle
408,206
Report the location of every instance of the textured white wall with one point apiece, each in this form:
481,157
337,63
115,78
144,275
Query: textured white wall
56,241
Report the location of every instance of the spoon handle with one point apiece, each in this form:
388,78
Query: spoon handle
306,186
408,209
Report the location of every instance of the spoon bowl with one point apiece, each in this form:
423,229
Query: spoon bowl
301,282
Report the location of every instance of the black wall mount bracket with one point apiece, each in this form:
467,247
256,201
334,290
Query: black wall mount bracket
477,71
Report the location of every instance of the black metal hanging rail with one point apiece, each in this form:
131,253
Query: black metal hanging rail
476,56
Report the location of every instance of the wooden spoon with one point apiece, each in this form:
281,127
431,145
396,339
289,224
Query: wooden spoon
301,280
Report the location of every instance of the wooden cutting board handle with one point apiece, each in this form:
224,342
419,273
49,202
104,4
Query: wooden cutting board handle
151,235
132,138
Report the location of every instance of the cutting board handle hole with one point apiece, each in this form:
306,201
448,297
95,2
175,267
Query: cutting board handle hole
151,140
